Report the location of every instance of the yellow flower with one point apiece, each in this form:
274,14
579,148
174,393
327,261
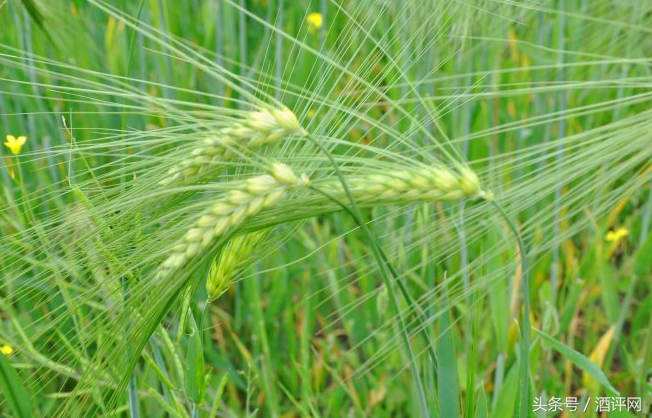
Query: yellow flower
617,235
315,21
6,349
15,144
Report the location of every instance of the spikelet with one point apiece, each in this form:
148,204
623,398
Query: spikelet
419,184
257,129
229,212
232,260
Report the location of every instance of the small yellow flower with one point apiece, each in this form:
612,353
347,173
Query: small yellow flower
617,235
315,21
15,144
6,349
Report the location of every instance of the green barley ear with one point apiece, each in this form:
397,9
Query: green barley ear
418,184
231,211
220,275
233,258
274,123
470,183
257,129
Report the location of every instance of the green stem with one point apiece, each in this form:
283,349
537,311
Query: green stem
134,410
128,70
385,273
403,289
525,331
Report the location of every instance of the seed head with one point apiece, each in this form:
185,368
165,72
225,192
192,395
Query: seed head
284,174
256,129
424,184
469,182
229,264
287,120
230,212
218,279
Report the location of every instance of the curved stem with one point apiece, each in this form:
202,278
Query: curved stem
525,331
384,269
403,289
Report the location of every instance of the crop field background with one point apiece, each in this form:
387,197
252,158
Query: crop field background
325,208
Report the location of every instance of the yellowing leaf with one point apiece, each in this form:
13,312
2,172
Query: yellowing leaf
597,356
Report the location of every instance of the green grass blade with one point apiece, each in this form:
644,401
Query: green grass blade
447,385
195,374
579,360
643,257
507,398
481,408
132,390
15,394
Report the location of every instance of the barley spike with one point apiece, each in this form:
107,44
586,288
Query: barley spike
231,211
257,129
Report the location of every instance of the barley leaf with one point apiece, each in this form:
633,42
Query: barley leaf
579,360
195,375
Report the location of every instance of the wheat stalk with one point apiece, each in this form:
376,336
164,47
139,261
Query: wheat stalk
230,212
258,128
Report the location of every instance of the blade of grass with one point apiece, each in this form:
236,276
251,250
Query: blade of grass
14,392
579,360
447,385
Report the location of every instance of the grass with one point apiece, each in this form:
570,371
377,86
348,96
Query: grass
368,293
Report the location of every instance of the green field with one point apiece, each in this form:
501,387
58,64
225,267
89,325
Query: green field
326,208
